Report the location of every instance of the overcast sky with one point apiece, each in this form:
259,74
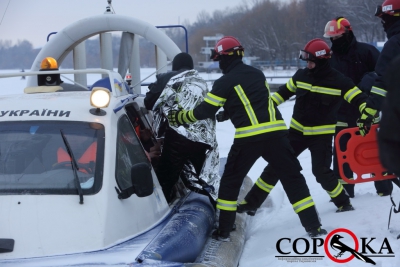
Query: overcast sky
33,20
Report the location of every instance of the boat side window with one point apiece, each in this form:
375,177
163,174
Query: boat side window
129,152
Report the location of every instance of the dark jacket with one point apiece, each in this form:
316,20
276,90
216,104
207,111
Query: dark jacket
244,94
357,63
389,51
318,98
388,134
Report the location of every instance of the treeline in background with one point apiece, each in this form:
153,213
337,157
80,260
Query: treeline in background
270,30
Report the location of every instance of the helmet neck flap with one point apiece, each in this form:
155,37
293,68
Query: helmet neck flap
225,61
341,45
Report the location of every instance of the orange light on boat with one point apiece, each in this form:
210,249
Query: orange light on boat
49,63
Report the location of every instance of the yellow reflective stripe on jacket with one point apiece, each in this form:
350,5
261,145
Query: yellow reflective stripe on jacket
342,124
291,86
246,103
215,100
267,85
296,125
314,130
319,89
338,189
303,204
263,185
306,86
378,91
362,106
228,205
326,90
352,93
260,128
277,98
271,106
271,110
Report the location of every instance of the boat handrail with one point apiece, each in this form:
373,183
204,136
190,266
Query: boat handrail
64,71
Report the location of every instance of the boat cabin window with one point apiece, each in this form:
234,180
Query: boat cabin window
129,152
35,157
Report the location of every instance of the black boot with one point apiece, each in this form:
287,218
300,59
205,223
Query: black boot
253,200
220,236
384,188
347,207
315,232
225,225
246,207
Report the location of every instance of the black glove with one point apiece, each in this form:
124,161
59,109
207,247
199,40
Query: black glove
222,116
365,121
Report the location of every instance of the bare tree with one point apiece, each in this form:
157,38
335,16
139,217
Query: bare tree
361,14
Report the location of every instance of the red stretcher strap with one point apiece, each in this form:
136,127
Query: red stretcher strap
362,155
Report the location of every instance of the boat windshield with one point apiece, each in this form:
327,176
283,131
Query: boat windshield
34,158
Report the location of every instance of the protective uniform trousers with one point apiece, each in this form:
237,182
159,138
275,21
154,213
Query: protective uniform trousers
320,147
278,153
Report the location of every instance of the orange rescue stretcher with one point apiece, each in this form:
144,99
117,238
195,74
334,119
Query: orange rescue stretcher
362,155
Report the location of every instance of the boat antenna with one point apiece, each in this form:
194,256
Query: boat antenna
7,8
109,8
151,74
78,84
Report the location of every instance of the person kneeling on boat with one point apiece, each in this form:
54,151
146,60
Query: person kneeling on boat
260,132
188,152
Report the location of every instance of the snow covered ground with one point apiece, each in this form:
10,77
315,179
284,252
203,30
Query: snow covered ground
276,227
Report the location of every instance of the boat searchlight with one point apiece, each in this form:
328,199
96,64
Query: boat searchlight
99,98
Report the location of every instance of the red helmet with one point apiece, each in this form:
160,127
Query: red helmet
337,27
226,46
390,7
315,49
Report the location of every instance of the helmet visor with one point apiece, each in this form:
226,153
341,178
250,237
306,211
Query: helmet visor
304,55
214,55
378,11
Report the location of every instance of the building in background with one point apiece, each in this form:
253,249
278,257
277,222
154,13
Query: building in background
209,65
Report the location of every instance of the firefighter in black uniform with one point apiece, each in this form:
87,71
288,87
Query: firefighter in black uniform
388,137
260,132
357,61
319,90
388,82
389,13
